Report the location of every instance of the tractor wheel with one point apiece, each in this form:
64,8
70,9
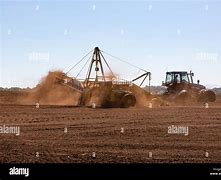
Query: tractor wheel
211,96
183,97
206,96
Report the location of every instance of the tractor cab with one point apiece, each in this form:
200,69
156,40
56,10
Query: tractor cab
178,77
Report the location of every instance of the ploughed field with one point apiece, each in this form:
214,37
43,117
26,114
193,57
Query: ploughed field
66,134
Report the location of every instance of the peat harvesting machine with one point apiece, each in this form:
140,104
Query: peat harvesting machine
107,91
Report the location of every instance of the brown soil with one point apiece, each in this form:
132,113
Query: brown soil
99,130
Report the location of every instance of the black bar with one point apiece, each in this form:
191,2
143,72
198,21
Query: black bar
68,171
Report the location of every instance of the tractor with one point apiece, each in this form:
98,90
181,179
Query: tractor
180,88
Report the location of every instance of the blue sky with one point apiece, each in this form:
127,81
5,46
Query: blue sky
158,36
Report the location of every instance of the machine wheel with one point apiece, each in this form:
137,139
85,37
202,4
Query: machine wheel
206,96
128,101
183,97
211,96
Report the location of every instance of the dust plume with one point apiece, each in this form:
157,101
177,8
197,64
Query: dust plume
110,76
52,91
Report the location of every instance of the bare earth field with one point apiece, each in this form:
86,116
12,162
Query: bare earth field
43,138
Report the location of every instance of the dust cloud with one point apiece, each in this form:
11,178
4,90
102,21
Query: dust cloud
52,91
